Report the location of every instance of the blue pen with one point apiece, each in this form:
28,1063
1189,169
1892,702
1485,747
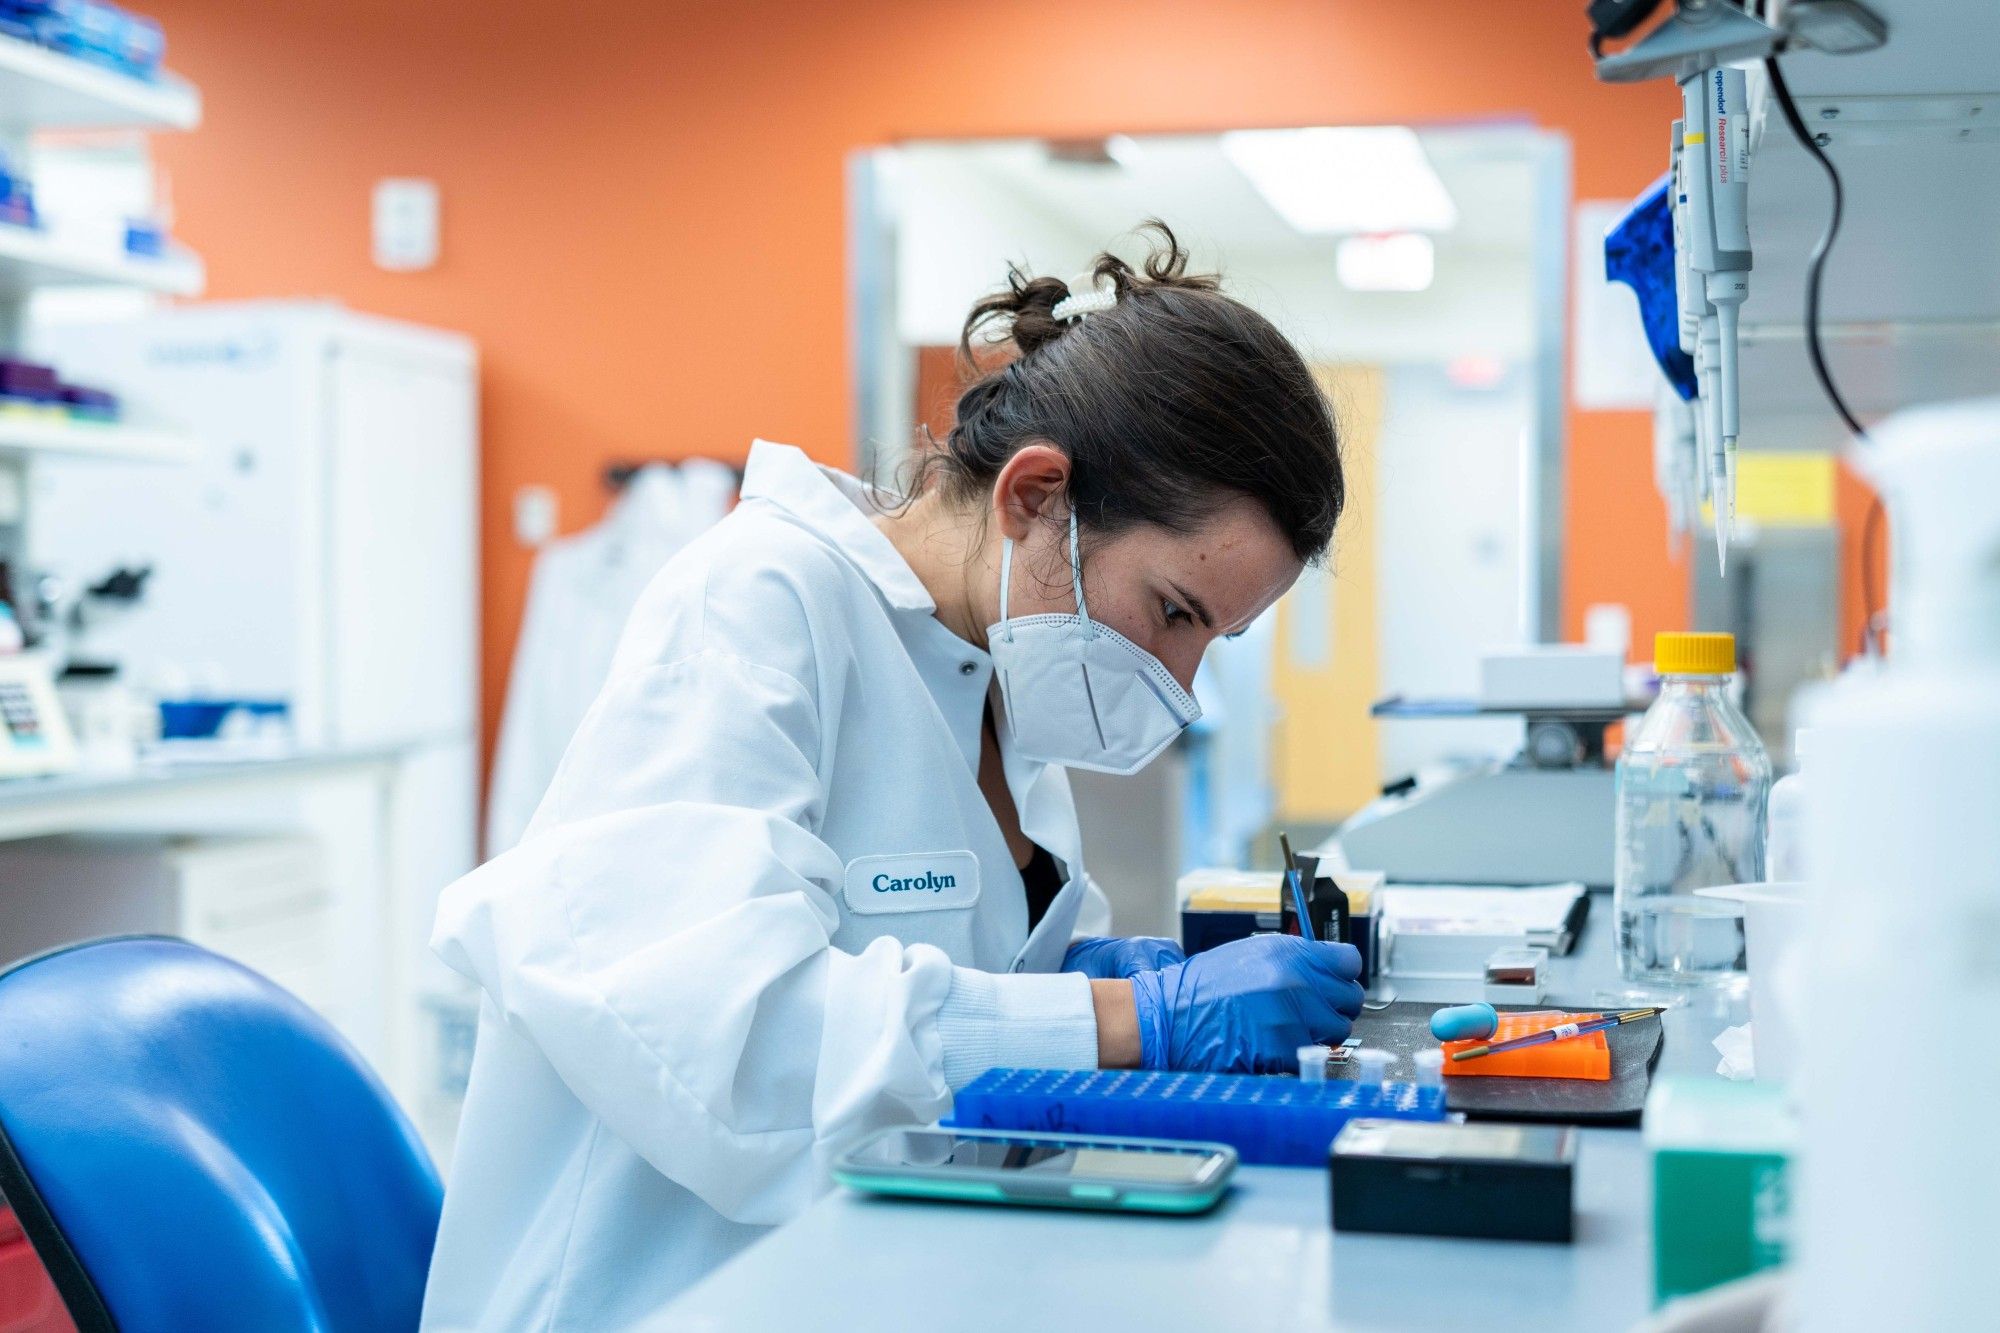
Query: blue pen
1296,884
1299,904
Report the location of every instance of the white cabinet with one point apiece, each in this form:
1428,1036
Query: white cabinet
402,504
267,902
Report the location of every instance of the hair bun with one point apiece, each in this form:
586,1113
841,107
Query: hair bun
1024,314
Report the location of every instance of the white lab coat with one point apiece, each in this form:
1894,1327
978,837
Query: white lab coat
580,595
697,988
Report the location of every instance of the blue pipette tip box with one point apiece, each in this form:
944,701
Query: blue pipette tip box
1270,1121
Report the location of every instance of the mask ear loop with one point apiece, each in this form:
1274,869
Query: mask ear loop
1006,576
1076,576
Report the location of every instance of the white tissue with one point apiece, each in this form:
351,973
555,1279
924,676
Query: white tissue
1737,1064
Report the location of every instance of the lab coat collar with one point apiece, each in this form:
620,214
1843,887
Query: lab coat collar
645,524
650,501
830,502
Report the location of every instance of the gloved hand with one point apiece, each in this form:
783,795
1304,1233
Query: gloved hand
1114,959
1247,1006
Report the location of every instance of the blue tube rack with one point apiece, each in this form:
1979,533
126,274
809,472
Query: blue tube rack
1269,1121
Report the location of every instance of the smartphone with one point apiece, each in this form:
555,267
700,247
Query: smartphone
1067,1171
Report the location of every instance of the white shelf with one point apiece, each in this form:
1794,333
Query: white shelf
43,90
91,439
31,259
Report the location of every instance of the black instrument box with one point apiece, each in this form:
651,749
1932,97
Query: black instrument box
1490,1181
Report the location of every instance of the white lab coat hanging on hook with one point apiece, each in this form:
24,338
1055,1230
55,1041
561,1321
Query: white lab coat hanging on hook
581,592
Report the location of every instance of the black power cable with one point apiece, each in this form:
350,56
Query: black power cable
1816,269
1815,353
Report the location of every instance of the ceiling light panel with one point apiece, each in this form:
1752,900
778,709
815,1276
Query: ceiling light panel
1327,180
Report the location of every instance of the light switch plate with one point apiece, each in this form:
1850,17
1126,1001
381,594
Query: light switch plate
406,224
534,515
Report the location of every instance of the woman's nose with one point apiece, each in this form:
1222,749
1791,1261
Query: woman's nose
1181,663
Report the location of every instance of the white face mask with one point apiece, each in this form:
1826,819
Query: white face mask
1079,693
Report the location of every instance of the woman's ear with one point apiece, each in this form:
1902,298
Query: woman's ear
1030,487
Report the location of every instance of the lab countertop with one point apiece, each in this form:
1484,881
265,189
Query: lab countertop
62,802
155,774
1267,1258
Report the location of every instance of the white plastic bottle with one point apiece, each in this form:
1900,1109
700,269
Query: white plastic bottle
1896,1218
1785,850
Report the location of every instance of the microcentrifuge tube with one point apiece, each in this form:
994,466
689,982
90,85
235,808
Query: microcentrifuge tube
1312,1063
1430,1065
1374,1064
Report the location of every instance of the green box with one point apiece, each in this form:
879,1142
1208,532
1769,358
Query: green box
1721,1181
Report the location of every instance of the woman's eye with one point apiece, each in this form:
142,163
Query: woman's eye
1173,613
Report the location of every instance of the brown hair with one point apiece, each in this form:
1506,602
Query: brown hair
1167,403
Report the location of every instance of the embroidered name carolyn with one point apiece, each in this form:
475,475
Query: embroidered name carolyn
929,880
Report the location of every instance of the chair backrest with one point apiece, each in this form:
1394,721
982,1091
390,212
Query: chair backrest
190,1147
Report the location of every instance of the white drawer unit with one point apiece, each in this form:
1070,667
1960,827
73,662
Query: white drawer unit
264,901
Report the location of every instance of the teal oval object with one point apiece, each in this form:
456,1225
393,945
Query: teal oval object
1462,1021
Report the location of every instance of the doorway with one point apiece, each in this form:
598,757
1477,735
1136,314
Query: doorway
1432,305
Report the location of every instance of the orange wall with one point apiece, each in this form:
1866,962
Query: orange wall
643,199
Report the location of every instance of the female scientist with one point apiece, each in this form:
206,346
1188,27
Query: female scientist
811,863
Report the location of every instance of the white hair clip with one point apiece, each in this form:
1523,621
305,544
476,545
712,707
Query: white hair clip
1089,294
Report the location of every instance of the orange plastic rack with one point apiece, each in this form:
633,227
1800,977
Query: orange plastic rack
1588,1056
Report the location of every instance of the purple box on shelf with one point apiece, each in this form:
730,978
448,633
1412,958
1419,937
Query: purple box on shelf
87,402
25,379
17,204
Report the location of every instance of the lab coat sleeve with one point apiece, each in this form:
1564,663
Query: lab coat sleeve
1025,1020
663,936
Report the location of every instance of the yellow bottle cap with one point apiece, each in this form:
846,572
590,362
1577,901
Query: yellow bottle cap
1694,654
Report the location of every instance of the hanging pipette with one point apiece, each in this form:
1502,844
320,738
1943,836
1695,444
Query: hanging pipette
1715,167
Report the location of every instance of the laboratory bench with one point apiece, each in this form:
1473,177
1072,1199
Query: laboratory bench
1266,1258
86,799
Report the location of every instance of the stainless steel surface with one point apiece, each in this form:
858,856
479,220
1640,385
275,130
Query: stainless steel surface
1543,487
879,364
1266,1259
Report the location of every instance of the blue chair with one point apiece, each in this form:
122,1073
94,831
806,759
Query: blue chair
189,1147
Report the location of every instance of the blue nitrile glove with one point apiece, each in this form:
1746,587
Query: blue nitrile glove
1109,958
1247,1006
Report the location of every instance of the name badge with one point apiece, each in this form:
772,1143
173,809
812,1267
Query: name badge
917,882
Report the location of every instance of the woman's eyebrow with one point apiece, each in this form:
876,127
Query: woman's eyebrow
1193,603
